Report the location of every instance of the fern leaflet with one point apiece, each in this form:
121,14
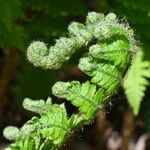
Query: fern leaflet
135,82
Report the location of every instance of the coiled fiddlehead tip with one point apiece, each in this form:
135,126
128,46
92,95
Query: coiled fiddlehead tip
94,17
79,31
29,127
11,133
85,65
95,50
34,106
36,52
60,88
111,17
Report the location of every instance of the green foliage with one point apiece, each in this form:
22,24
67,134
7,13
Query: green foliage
135,83
84,96
23,21
106,38
79,35
12,133
45,132
138,15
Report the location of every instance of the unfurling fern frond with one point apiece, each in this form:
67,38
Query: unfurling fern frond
97,27
135,82
82,96
42,133
106,62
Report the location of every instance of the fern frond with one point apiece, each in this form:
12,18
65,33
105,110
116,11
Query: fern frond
97,27
106,62
84,96
106,75
136,81
111,50
45,132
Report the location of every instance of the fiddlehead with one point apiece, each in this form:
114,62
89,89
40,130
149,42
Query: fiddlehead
97,27
106,62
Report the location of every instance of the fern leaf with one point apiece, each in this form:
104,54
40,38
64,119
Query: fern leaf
83,96
111,51
135,82
106,75
53,126
106,63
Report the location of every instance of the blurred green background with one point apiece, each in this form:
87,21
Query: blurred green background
22,22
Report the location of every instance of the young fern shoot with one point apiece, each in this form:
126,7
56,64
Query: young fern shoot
107,63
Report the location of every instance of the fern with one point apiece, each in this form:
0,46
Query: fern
82,96
107,62
135,83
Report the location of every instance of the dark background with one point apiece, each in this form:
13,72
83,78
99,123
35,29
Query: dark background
23,21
